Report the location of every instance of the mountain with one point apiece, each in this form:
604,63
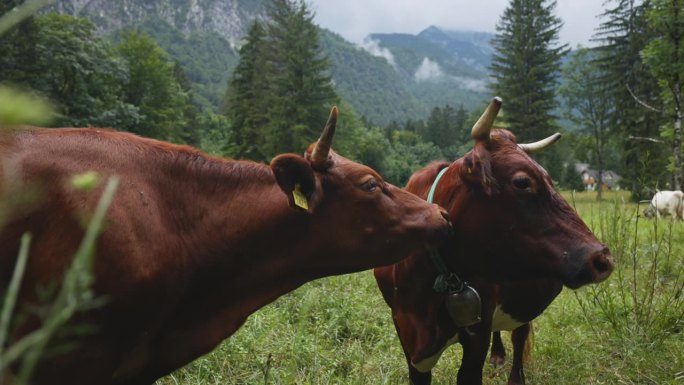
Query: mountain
207,58
370,83
201,35
402,76
390,77
470,49
440,66
230,19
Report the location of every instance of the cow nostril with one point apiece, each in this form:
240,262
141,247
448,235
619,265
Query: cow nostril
445,215
602,264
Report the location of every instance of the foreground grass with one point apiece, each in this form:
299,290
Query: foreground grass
339,331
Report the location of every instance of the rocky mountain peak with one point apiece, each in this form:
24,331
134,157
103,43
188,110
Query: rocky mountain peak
228,18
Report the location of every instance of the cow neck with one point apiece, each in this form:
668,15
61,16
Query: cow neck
258,211
446,280
462,302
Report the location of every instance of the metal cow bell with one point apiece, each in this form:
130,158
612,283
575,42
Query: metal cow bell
464,306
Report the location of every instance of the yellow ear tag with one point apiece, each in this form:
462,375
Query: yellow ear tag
299,198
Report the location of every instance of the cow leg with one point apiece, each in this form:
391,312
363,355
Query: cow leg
475,346
519,337
498,352
416,377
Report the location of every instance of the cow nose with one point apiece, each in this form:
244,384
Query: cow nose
445,215
447,229
601,265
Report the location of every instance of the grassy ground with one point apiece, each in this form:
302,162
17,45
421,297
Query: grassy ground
338,330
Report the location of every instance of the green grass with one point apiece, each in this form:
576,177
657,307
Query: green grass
627,330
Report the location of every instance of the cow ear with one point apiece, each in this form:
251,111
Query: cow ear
476,170
296,178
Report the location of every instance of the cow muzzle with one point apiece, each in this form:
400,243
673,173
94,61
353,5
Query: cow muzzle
597,267
446,228
441,228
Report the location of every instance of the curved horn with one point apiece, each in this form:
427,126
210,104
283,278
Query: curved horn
540,145
484,125
319,156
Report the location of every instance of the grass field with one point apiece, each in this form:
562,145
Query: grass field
337,330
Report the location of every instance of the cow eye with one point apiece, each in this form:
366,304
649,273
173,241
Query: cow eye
370,185
522,182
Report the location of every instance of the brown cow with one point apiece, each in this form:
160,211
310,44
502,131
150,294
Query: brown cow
194,244
509,225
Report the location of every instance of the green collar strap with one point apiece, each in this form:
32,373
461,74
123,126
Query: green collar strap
446,280
431,194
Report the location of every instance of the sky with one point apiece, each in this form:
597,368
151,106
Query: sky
355,19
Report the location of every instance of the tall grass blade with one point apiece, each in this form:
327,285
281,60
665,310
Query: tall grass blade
13,292
74,294
21,12
76,283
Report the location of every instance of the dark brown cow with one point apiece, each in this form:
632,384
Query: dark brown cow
509,225
195,244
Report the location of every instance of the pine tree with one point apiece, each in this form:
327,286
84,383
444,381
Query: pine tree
248,96
302,89
434,127
525,66
191,132
280,93
622,37
664,56
462,131
444,127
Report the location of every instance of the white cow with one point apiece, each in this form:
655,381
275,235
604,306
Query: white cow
666,203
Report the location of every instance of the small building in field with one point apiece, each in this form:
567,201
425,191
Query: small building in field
590,178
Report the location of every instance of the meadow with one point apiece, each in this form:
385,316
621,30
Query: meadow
338,330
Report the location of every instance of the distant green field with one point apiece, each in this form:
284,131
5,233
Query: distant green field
628,330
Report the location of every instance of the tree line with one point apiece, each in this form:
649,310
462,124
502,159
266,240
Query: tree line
618,103
630,103
129,86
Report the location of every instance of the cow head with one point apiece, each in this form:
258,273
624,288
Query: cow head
511,220
358,218
650,212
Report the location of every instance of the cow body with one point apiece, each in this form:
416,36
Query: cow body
516,241
193,244
666,203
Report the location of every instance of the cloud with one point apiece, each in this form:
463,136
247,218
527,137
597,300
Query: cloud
470,83
432,72
373,47
428,70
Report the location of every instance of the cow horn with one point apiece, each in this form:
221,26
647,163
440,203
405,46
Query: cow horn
531,148
319,156
484,125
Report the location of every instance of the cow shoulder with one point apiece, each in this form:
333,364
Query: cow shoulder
421,181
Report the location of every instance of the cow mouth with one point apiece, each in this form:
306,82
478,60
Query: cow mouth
440,234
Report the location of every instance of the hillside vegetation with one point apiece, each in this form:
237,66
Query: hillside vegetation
205,42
